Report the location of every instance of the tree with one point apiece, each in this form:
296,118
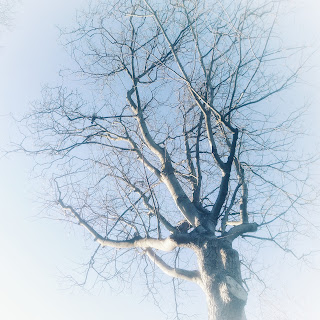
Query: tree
179,150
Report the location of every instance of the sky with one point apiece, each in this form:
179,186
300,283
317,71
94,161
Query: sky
36,253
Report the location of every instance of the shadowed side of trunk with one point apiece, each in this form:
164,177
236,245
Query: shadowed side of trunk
219,267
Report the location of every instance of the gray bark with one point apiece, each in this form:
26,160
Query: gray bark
219,267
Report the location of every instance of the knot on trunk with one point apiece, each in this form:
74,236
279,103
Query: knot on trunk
183,226
233,287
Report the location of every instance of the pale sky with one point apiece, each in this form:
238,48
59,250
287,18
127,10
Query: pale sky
35,253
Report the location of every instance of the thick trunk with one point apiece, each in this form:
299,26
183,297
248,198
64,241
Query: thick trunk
219,266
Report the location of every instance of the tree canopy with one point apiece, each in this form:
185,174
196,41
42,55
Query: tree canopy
174,142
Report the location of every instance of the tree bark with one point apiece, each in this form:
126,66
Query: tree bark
219,267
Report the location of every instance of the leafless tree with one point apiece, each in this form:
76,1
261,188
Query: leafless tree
173,148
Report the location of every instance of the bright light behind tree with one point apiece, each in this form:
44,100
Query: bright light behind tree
171,136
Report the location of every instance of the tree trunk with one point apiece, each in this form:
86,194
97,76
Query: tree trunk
219,267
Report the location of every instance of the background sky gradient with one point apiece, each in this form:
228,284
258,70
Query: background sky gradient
37,253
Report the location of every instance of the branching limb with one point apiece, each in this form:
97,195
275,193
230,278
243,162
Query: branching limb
224,185
244,191
151,208
285,249
167,173
192,276
224,220
167,244
239,230
196,192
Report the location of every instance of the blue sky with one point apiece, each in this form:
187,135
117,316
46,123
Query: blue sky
35,252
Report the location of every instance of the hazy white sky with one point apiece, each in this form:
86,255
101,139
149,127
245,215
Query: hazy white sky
33,250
